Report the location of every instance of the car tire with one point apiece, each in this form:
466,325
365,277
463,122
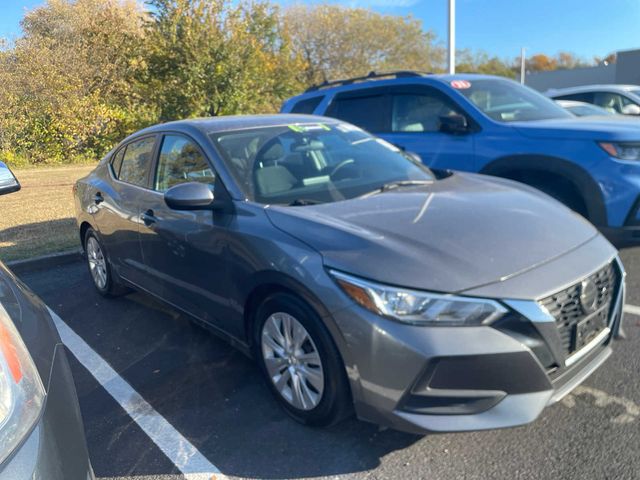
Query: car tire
298,365
99,266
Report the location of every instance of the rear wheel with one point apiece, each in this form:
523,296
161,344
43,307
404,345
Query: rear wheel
99,267
301,364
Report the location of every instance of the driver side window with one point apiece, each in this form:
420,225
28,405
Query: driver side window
420,112
612,102
181,161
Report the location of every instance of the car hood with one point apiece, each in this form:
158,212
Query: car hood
461,232
583,128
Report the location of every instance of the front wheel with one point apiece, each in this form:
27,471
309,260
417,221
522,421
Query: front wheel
302,365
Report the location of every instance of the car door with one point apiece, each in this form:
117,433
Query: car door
115,207
183,251
409,117
416,126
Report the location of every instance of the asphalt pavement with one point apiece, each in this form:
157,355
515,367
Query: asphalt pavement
214,397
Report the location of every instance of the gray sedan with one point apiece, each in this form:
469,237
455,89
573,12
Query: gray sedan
355,276
41,432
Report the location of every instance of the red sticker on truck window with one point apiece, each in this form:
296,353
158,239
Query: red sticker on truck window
460,84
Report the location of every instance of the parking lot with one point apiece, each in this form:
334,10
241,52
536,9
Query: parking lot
207,411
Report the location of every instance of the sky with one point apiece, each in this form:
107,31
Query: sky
499,27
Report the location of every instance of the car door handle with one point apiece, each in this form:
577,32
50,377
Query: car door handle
98,198
148,218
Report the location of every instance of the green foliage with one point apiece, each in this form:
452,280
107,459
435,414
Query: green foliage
481,62
340,42
86,73
215,57
67,90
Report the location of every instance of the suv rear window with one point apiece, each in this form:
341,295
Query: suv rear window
308,105
369,113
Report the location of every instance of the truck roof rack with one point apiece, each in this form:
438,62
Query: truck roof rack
370,76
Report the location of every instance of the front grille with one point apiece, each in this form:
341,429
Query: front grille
565,306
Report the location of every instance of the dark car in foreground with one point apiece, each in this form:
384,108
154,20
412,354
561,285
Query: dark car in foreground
495,126
353,274
41,432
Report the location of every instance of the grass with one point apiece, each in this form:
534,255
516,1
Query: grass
39,219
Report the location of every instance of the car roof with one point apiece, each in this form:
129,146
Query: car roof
209,125
364,82
592,88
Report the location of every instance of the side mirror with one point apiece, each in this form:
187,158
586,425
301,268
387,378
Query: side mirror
454,124
631,109
8,182
189,196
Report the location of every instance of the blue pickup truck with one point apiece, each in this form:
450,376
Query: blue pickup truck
492,125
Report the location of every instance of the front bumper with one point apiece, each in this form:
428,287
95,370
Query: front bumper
447,379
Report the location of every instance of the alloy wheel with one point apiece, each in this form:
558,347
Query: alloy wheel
97,263
292,361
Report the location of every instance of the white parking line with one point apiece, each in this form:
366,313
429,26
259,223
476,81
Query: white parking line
632,309
186,457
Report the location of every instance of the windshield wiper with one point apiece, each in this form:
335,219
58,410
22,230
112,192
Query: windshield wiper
398,184
301,202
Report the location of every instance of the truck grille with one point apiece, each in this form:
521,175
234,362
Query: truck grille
568,310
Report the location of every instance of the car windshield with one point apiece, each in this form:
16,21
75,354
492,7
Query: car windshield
507,101
303,164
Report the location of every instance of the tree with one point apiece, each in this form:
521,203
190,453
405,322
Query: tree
569,60
608,60
67,83
481,62
218,57
339,42
541,62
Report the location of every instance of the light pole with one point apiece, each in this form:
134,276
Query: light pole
523,65
452,37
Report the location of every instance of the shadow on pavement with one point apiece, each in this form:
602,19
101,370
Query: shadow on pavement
212,394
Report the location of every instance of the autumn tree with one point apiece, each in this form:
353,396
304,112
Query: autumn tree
215,57
566,60
339,42
480,62
541,63
67,89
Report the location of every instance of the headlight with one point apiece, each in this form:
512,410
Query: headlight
21,391
623,151
417,307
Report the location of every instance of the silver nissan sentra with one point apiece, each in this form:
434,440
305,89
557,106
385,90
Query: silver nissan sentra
354,275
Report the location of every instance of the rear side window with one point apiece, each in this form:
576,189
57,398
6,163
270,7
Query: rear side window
116,162
136,161
586,97
369,113
181,161
307,106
